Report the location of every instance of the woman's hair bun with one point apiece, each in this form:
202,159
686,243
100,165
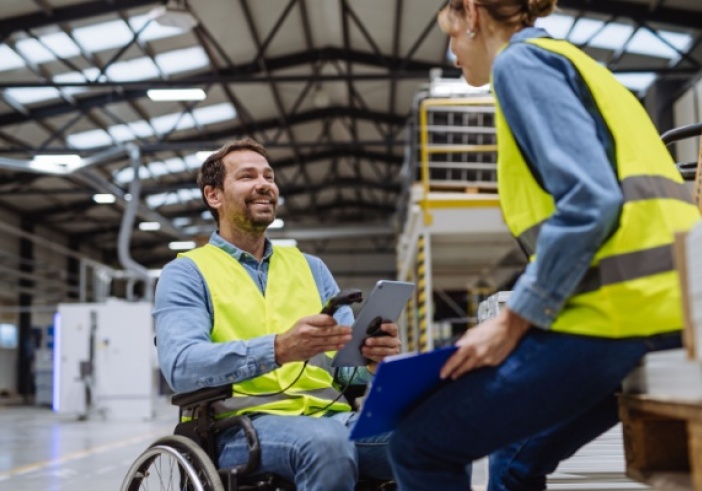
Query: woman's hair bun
541,8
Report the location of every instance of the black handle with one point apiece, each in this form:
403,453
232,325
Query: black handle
345,297
373,328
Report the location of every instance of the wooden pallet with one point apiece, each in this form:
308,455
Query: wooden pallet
662,441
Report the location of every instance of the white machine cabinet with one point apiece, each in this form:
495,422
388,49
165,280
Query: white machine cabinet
104,360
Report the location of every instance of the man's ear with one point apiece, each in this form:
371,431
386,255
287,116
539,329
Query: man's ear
213,196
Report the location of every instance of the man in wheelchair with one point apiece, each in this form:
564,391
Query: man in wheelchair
241,311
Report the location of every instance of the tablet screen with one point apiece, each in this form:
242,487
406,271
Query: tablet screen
387,300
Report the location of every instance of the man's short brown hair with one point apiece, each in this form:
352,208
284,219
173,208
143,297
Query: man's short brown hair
212,171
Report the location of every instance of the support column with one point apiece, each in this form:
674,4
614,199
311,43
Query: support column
424,293
25,383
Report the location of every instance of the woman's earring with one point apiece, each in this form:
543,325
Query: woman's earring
471,34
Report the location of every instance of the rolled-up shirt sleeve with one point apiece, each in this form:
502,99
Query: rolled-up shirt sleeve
564,140
183,317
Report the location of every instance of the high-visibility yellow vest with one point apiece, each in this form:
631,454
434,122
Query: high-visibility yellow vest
631,288
241,312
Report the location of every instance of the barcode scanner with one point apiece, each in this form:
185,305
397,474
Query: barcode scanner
344,297
373,328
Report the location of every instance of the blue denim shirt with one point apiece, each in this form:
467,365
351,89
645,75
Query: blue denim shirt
563,137
183,315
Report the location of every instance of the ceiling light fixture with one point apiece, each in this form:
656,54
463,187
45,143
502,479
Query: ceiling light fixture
176,94
58,164
202,155
182,245
104,198
149,226
174,14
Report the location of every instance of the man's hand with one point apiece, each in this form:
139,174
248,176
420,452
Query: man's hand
309,337
375,348
487,344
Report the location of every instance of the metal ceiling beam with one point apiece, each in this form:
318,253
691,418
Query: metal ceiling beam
240,74
229,79
294,189
662,15
68,14
197,145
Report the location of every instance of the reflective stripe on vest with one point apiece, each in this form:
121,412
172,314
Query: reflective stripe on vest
241,312
635,188
631,287
243,404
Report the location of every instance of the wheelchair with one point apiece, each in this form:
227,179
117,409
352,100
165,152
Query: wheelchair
185,460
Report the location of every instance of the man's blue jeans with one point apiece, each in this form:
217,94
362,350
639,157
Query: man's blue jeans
552,395
314,453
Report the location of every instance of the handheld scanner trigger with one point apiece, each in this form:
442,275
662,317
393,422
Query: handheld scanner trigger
345,297
373,328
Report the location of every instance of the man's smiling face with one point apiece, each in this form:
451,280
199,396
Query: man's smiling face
249,199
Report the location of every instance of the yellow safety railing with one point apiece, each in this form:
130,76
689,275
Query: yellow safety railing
426,150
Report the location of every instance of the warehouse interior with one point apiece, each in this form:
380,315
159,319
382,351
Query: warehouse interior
364,116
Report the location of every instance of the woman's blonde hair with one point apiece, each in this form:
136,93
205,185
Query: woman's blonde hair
509,12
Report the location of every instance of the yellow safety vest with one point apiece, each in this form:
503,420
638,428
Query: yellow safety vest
241,312
631,288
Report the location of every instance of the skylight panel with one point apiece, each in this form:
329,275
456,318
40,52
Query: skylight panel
102,36
644,42
71,77
136,69
637,82
181,60
141,129
34,51
154,30
121,132
126,175
556,25
32,95
181,221
157,200
214,114
680,40
9,60
61,44
157,169
174,165
130,131
186,195
613,36
89,139
164,124
584,29
192,161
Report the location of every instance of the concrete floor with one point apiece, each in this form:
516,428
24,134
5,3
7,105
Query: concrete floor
40,451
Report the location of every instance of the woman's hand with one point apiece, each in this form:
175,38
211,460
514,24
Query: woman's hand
487,344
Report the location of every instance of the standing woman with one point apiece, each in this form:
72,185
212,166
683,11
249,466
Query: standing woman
594,198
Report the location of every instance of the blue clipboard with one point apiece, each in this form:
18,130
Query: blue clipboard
399,384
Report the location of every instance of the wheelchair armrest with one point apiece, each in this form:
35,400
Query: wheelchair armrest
251,440
208,394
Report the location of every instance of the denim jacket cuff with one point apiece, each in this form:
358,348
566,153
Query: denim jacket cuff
261,354
535,305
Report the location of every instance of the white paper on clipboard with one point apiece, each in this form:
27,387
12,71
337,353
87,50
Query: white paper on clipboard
387,300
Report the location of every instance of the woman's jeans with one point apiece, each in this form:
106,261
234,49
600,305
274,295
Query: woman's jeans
552,395
314,453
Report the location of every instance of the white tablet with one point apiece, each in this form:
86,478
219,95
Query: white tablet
386,301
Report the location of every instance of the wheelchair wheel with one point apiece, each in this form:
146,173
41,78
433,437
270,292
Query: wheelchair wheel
173,463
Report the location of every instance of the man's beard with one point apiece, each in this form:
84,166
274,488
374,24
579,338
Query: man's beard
250,222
